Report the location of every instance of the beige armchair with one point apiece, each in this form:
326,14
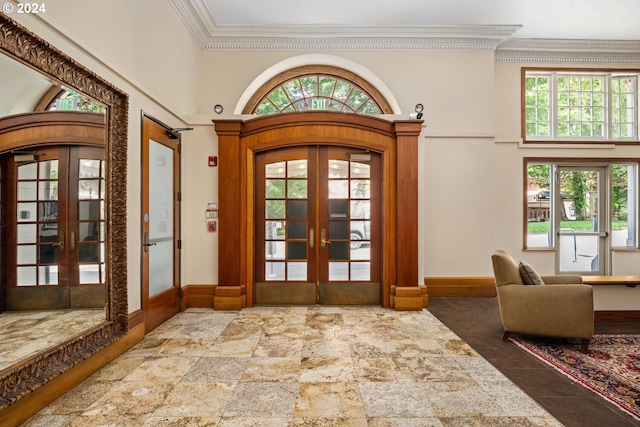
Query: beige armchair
562,307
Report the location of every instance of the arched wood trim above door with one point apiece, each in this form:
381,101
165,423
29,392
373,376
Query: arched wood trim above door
397,141
51,127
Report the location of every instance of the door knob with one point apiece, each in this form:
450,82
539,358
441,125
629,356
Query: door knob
60,244
146,243
323,240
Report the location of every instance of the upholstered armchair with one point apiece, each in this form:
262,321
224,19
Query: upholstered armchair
561,307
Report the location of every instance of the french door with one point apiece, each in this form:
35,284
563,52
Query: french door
581,219
55,254
317,226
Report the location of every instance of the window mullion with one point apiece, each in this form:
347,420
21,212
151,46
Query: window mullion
554,106
636,113
609,110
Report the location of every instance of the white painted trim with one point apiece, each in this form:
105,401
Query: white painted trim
317,59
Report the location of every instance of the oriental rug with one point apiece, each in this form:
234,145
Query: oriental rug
611,368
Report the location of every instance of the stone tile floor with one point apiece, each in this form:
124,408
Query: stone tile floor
297,366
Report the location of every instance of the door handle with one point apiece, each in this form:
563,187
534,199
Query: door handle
323,240
60,244
145,242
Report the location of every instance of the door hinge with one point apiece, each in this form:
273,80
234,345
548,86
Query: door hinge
180,292
179,243
179,196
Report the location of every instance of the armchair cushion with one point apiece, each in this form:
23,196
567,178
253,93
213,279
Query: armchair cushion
529,275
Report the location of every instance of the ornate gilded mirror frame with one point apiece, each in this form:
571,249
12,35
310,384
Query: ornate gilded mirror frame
23,378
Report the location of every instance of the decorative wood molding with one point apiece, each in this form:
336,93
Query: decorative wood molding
24,46
38,370
33,402
43,128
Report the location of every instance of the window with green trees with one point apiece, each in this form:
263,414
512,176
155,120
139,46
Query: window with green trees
70,100
573,200
580,106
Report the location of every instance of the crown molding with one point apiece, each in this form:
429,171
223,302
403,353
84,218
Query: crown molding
337,42
498,38
569,51
211,36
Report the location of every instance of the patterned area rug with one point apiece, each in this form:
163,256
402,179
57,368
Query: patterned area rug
611,368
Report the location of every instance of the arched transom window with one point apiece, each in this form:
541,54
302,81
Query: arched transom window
317,88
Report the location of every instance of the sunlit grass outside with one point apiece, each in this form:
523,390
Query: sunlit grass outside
545,227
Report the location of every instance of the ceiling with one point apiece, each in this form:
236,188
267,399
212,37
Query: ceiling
371,24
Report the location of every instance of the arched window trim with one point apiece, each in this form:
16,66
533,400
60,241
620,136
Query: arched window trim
306,70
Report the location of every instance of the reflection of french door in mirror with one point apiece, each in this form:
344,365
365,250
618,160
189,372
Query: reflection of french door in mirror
581,220
317,226
55,256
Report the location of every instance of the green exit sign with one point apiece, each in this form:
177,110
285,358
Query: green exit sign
319,104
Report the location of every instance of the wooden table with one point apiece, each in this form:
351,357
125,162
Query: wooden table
629,281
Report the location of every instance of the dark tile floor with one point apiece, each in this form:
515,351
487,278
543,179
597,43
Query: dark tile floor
477,321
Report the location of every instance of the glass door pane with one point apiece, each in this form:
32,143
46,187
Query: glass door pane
40,223
161,233
91,220
349,219
286,220
581,222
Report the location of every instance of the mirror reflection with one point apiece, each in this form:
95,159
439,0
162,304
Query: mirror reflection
54,214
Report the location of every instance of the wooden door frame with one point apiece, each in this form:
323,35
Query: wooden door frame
396,140
159,308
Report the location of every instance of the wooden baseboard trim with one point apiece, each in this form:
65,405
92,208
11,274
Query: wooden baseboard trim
617,316
200,296
135,318
460,286
27,406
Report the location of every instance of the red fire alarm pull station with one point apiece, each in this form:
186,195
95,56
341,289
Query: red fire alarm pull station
213,160
211,226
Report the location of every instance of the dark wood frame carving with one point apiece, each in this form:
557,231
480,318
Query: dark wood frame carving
22,45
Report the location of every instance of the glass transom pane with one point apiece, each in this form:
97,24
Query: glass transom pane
317,92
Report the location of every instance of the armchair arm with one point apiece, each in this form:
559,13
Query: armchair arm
561,279
562,311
